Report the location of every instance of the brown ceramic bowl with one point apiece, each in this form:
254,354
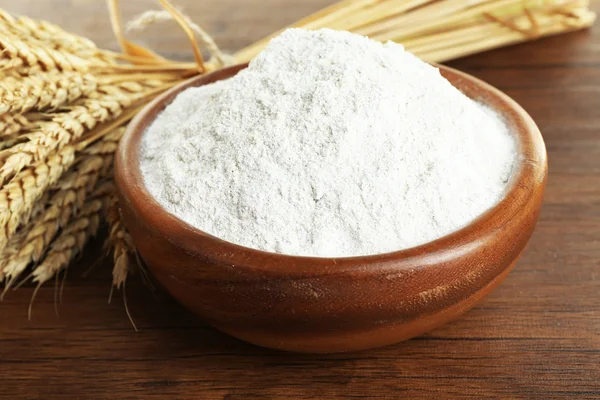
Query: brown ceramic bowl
323,305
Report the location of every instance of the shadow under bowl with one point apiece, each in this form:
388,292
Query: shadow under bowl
324,305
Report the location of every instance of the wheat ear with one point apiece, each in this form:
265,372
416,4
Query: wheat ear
66,127
15,243
18,197
72,190
47,33
121,244
43,91
75,235
15,52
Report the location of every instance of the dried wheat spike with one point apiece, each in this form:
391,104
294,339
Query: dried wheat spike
64,128
43,91
107,144
36,210
63,205
20,72
15,243
75,235
19,196
12,124
17,53
46,32
12,248
121,243
49,35
72,190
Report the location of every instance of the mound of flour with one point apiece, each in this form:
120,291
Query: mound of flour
328,144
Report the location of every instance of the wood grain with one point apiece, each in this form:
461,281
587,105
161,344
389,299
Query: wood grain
536,336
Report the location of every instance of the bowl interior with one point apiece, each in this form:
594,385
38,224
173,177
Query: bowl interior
528,175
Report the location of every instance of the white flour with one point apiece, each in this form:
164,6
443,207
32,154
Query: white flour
329,144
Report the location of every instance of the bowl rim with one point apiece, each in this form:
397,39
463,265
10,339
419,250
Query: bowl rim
527,179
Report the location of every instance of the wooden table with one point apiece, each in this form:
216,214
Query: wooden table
537,336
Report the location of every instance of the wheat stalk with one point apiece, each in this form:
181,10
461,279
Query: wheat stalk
43,91
406,21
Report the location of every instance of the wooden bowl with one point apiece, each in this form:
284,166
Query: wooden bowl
324,305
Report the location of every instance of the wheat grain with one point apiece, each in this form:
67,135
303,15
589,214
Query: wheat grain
43,91
12,124
20,72
75,235
37,209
